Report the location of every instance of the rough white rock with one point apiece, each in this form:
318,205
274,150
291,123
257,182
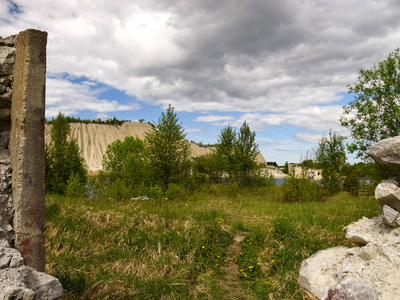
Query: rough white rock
353,291
21,282
375,265
366,230
318,272
379,269
10,258
26,283
7,59
390,216
388,193
387,151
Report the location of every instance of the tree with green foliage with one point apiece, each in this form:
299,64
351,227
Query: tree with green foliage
124,168
352,183
64,163
331,156
286,168
225,151
374,113
167,150
308,163
246,150
206,168
236,153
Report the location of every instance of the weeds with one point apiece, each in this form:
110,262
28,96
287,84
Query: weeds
164,249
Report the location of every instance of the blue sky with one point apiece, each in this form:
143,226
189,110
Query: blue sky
282,66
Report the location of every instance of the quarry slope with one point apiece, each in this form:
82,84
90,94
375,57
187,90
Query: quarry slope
93,140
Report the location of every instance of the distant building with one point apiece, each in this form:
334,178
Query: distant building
299,171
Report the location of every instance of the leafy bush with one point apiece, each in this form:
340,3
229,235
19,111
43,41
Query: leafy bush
352,183
302,190
62,159
75,187
118,190
155,192
175,192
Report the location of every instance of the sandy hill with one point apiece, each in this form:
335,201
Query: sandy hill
93,140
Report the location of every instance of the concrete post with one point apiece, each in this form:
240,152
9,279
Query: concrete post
27,146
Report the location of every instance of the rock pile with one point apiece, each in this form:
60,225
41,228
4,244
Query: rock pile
21,282
371,271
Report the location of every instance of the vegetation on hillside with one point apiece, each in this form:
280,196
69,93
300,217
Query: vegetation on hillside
113,121
330,157
65,170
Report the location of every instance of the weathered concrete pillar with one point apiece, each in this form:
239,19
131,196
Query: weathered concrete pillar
27,146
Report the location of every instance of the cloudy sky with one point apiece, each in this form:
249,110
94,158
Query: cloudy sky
282,66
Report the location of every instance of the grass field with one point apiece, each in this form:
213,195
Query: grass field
215,244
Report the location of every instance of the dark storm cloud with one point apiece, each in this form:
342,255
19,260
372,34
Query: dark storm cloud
226,55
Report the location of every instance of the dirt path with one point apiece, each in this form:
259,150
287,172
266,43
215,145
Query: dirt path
230,283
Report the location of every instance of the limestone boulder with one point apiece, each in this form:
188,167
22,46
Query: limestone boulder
366,231
318,272
351,273
6,91
352,290
21,282
9,41
26,283
375,265
390,216
388,193
7,60
387,151
10,257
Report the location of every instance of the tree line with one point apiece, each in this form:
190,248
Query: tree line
160,162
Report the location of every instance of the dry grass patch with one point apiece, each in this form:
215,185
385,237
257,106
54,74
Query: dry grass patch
177,249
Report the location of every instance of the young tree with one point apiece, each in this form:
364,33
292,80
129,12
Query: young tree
352,183
286,168
237,153
124,168
331,156
63,160
374,113
167,150
226,151
125,160
246,150
207,167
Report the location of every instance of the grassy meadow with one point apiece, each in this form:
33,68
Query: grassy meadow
216,243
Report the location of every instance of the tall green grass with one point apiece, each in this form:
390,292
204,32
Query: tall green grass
174,249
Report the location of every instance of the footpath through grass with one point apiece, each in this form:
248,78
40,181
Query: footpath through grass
104,249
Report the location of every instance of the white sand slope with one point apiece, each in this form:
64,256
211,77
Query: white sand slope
93,140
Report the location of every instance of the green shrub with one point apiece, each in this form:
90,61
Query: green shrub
232,190
75,187
175,192
155,192
118,190
302,190
352,183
